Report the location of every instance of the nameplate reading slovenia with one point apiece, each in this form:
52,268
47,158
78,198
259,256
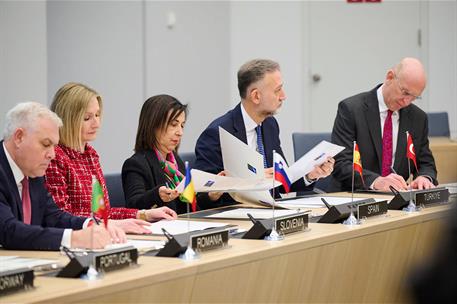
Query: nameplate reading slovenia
292,223
210,240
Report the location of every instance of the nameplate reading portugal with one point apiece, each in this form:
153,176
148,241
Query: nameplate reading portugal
116,259
292,223
15,280
432,196
210,240
372,209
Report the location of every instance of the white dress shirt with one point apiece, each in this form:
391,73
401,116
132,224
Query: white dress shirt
18,177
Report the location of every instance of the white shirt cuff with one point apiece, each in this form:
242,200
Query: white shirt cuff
66,238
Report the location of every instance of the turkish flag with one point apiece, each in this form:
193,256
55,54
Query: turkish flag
410,152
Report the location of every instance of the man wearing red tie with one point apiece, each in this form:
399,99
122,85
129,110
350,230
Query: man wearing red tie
29,218
378,121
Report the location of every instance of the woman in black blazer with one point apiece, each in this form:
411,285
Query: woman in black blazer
150,176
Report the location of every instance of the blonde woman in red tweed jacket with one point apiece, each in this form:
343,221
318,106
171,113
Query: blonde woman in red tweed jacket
69,175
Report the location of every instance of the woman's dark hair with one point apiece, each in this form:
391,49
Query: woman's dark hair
154,117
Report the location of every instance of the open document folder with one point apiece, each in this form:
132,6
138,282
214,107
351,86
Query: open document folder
315,157
207,182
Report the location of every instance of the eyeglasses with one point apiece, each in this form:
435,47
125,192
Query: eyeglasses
405,92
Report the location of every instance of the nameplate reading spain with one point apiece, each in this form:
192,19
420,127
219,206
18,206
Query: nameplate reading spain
432,196
116,259
210,240
292,223
14,280
372,209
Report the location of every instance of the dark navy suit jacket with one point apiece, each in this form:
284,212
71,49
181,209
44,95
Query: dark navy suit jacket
208,148
47,222
358,119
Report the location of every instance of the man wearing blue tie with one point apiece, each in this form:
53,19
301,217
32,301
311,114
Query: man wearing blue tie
261,90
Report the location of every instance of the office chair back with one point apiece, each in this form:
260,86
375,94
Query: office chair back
303,142
115,189
188,156
438,124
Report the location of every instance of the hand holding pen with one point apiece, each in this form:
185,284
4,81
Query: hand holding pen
167,193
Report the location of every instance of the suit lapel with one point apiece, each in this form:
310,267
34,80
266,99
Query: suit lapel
373,122
239,129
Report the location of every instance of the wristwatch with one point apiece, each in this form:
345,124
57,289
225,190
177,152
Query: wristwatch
142,215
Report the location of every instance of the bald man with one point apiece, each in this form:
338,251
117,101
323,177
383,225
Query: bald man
378,120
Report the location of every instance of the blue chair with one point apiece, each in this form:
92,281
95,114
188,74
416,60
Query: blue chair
438,124
303,142
188,156
115,189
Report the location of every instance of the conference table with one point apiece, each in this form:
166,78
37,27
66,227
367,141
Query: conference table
328,263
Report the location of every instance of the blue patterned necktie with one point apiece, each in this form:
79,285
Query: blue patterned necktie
260,148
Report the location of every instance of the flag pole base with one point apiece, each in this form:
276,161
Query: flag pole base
411,208
351,220
274,236
189,255
92,274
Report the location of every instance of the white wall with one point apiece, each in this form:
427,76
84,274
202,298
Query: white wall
23,71
443,60
124,50
100,43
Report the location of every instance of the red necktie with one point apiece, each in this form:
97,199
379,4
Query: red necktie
26,205
387,145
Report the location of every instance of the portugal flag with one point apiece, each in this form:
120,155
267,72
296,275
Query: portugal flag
410,152
357,161
98,206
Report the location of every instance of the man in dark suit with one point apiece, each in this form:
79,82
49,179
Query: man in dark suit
262,94
378,120
29,218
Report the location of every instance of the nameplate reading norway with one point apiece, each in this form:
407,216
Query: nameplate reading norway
210,240
372,209
14,280
432,196
116,259
292,223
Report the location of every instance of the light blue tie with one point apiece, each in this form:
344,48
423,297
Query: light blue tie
260,148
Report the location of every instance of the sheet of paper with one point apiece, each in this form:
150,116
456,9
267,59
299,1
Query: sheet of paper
242,213
18,262
206,182
141,245
315,157
181,226
316,201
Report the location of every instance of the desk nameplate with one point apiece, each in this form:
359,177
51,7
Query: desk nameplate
432,196
292,223
210,240
372,209
116,259
15,280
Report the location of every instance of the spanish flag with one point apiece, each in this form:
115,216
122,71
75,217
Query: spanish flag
98,206
188,195
357,162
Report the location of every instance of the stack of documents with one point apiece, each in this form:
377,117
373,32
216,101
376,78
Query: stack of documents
181,226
